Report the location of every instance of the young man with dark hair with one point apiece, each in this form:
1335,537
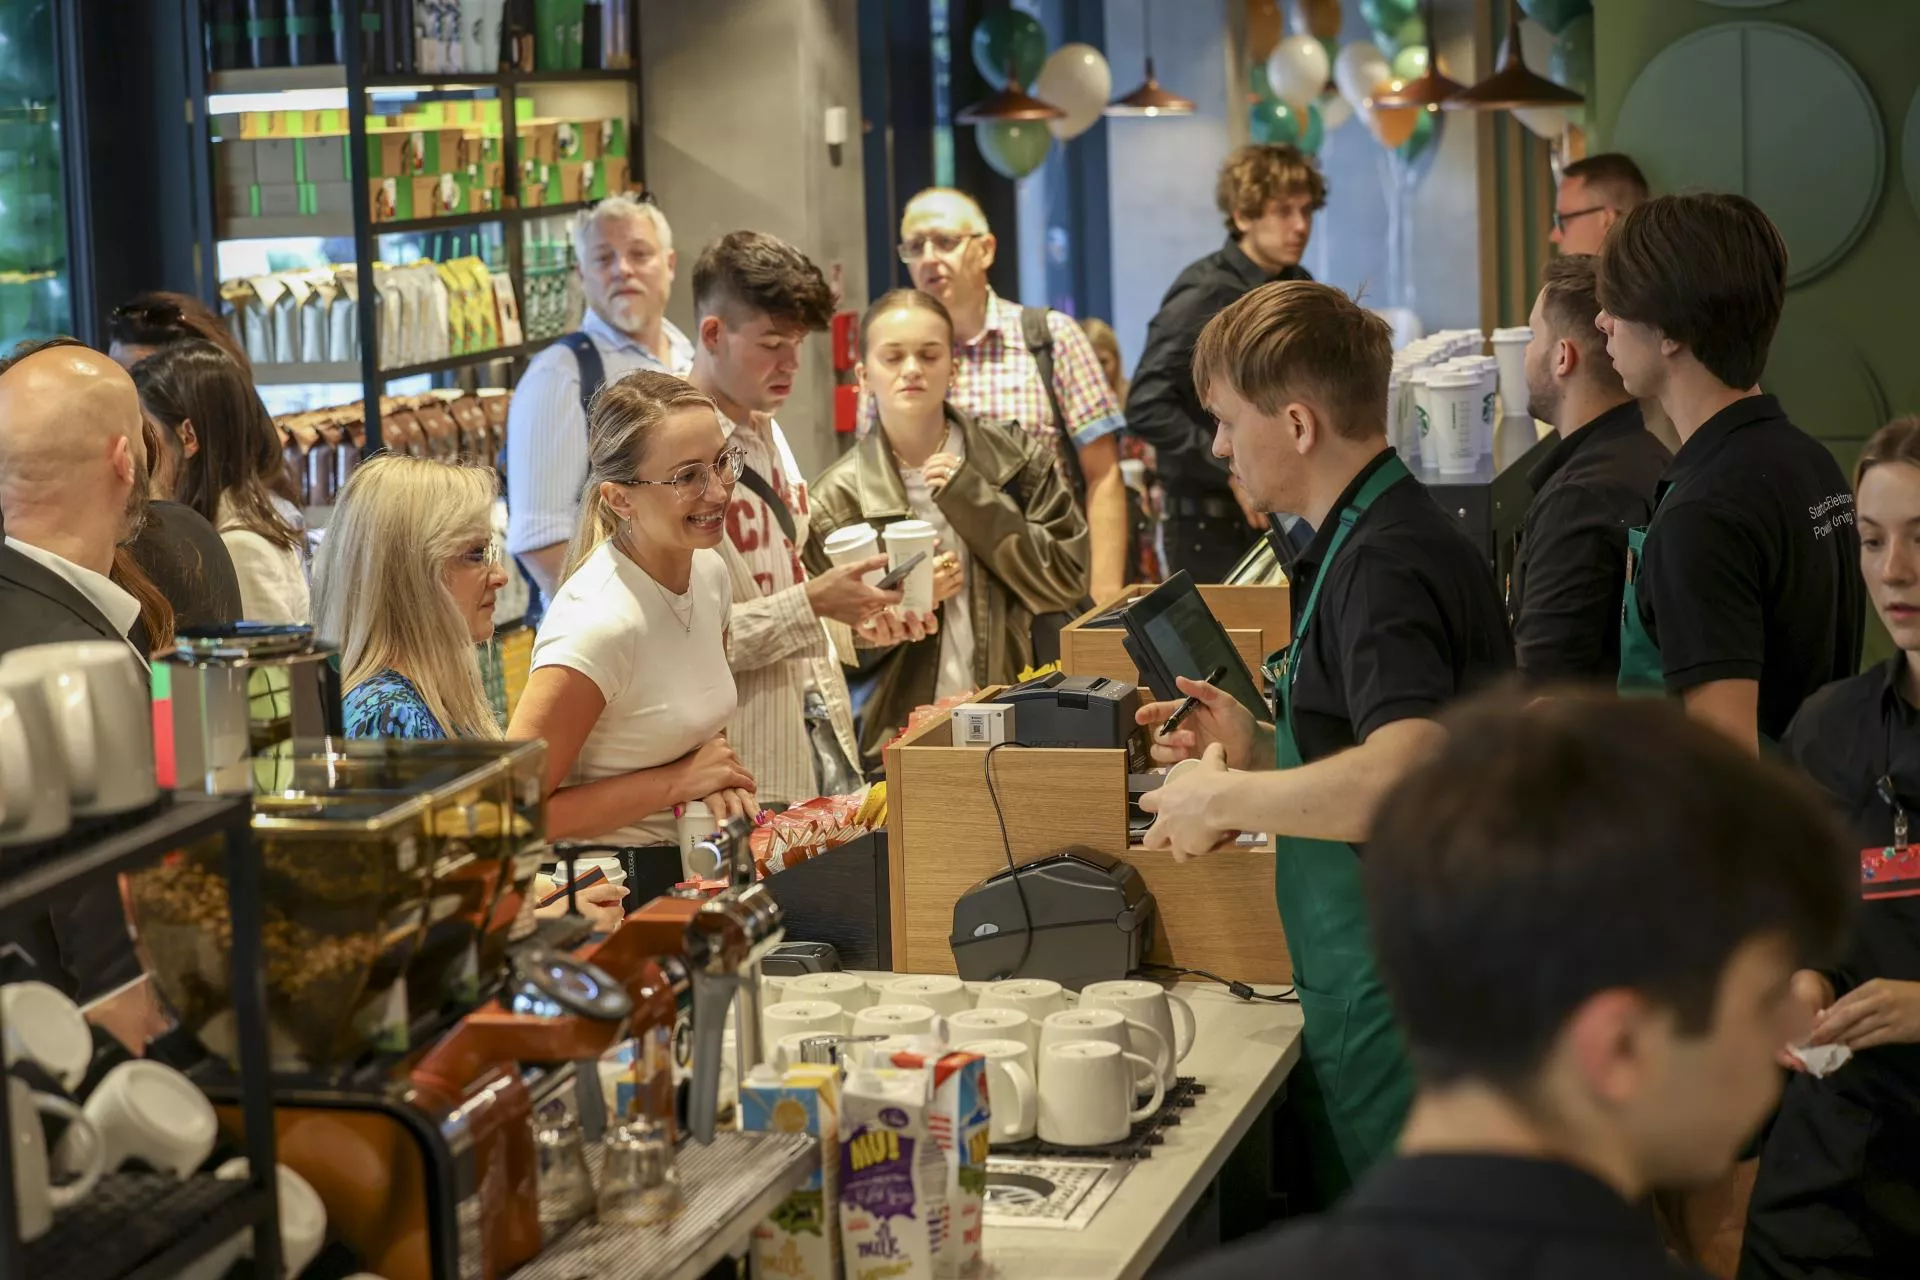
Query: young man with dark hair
1592,993
1744,596
755,300
1395,614
1267,195
1596,484
1594,194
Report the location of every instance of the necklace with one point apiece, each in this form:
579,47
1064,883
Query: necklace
684,618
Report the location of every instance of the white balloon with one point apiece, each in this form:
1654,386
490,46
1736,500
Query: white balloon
1547,122
1297,70
1076,79
1359,71
1536,45
1334,111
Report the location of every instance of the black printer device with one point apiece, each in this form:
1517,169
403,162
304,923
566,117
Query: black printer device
1091,920
1058,710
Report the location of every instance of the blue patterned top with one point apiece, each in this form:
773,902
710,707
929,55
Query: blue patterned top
388,706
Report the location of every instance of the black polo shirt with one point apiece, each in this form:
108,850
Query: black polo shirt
1846,737
1409,619
1163,408
1569,570
1753,562
1461,1217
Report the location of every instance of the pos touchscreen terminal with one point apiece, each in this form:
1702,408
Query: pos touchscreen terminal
1171,632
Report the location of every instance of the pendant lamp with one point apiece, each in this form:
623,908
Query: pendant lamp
1010,104
1514,84
1149,99
1434,89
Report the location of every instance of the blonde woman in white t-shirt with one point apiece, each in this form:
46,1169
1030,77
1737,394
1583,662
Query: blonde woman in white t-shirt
630,687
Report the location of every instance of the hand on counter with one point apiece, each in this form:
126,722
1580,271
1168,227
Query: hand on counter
1182,805
1218,720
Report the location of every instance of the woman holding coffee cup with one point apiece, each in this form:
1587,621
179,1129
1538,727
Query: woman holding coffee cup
630,687
405,584
1013,543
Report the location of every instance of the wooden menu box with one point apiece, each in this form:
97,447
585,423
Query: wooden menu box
1215,913
1257,620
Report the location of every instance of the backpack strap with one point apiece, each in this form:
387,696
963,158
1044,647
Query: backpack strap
593,374
1039,338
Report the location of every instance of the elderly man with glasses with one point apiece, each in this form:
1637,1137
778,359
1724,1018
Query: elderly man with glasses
1024,365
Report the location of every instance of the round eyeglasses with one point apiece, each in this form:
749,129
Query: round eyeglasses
692,482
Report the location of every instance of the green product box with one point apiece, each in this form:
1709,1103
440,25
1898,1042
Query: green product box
613,136
390,199
411,153
323,159
328,197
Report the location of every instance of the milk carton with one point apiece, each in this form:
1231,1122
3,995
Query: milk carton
801,1239
893,1177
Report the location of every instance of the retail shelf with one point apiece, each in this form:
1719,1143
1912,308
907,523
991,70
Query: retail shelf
301,375
461,362
296,79
282,228
726,1190
276,80
144,1226
107,846
447,222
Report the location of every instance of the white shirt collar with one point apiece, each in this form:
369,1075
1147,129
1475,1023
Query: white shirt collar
113,601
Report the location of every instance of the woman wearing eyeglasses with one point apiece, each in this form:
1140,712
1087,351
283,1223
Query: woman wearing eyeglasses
630,687
405,584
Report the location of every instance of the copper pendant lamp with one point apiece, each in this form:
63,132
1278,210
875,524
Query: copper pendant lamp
1011,104
1149,99
1434,89
1514,84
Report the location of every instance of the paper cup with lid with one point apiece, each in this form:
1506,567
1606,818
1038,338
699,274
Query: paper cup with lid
1453,400
1510,355
904,540
850,544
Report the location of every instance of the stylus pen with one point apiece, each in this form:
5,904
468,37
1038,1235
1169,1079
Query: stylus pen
1188,703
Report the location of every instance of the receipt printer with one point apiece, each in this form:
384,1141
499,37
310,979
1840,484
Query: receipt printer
1077,916
1075,711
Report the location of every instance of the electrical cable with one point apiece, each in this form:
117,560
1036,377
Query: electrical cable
1006,843
1243,990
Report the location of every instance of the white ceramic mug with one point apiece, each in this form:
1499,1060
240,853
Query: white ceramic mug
812,1017
46,1028
33,787
850,544
1086,1093
848,990
34,1194
904,540
970,1025
303,1216
1035,997
1113,1028
943,993
1012,1091
1152,1005
100,706
899,1020
148,1111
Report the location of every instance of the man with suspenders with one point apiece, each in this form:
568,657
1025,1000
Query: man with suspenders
624,251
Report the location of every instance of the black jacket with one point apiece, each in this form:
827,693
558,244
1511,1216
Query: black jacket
80,945
1162,406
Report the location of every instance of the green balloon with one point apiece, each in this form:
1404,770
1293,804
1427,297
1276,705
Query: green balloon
1009,37
1394,40
1411,62
1313,130
1554,15
1332,45
1417,143
1387,16
1258,82
1571,63
1015,148
1274,123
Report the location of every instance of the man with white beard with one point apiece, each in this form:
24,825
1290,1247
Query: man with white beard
623,250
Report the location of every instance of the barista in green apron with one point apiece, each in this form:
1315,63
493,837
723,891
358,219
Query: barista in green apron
1395,613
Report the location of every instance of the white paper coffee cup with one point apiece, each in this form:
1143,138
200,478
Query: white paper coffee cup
1510,354
852,544
906,539
1453,400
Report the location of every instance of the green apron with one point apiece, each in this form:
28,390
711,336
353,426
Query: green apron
1641,672
1352,1087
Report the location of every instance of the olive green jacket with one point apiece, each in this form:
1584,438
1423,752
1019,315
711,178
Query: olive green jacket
1028,553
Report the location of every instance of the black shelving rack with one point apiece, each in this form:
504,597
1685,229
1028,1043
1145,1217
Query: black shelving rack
359,83
137,1226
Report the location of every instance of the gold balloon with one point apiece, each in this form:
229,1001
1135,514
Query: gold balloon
1263,28
1322,18
1393,125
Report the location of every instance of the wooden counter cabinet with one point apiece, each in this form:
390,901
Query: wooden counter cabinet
1257,620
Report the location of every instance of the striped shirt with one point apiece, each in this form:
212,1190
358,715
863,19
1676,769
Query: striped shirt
547,429
777,646
997,379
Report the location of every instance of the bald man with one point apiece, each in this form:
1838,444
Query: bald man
73,469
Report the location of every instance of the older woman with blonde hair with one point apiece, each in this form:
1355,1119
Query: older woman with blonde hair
405,585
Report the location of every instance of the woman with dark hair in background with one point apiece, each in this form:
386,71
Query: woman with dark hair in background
180,556
147,322
230,471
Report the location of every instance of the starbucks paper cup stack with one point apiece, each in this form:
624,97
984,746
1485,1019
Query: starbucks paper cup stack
1453,398
1510,355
